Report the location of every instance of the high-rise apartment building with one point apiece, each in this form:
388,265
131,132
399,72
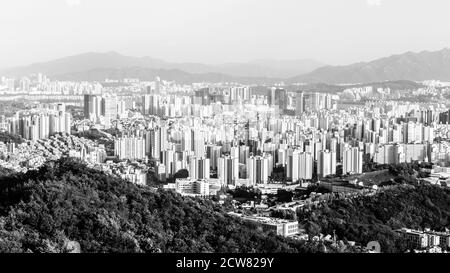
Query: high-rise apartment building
352,160
228,170
326,163
199,168
132,148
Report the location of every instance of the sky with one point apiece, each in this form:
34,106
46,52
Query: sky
336,32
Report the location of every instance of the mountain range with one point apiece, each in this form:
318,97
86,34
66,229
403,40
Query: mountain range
412,66
149,74
93,66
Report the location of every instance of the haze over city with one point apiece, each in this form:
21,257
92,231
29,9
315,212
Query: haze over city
215,32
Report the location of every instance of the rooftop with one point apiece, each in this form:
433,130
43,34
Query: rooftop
264,220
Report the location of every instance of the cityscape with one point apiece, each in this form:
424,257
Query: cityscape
136,157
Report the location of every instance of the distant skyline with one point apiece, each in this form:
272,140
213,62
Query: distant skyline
336,32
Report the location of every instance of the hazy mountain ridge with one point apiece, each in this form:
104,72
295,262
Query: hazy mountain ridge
271,68
149,74
92,60
424,65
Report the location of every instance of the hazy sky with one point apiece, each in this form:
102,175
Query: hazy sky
214,31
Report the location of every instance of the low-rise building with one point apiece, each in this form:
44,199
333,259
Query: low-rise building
190,186
414,239
338,186
281,227
418,239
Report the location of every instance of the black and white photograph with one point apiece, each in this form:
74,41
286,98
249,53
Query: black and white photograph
225,134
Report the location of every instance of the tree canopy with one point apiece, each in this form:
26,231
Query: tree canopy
8,137
42,210
367,218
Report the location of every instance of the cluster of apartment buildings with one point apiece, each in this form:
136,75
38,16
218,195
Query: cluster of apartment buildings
38,123
211,136
40,85
223,132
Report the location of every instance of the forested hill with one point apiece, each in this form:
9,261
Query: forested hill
42,211
369,218
64,201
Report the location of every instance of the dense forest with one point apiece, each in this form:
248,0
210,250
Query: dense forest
64,201
368,218
10,138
